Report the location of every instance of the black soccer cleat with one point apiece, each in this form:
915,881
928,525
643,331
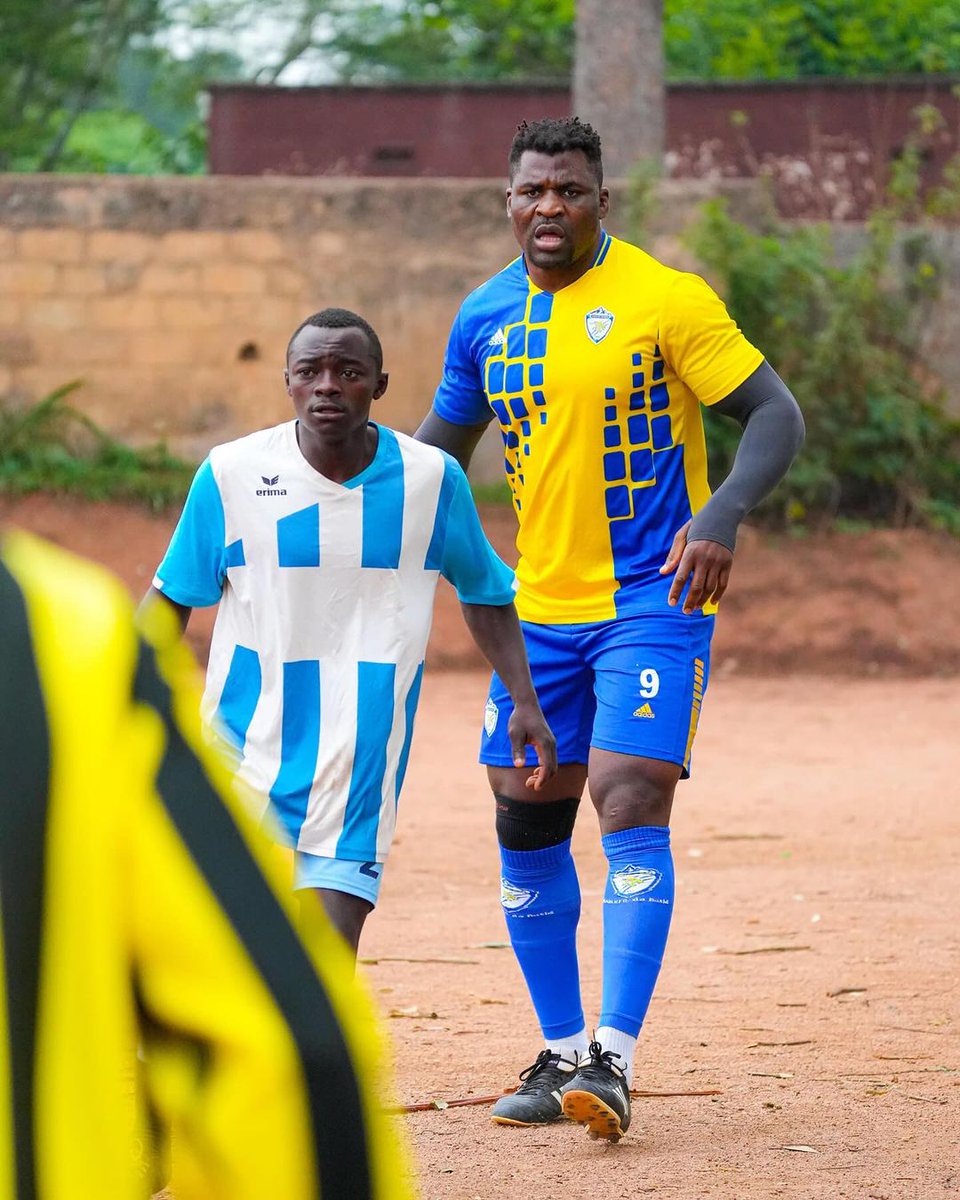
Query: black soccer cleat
537,1101
598,1096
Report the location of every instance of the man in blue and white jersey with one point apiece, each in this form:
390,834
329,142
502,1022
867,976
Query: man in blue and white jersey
322,540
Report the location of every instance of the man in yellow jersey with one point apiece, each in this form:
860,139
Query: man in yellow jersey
595,358
137,910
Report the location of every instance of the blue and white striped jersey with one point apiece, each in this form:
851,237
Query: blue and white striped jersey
326,600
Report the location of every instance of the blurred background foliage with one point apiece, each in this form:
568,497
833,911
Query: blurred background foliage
116,85
846,333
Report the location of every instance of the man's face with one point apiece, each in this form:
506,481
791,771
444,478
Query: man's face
332,378
556,205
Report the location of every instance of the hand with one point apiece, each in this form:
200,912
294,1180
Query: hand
528,726
706,564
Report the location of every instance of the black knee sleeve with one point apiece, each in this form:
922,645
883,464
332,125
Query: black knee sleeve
522,825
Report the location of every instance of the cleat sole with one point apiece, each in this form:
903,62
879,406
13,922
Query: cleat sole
587,1109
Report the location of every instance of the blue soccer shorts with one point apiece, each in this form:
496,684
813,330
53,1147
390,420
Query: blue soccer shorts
338,875
634,685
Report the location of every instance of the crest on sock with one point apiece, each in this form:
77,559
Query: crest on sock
632,881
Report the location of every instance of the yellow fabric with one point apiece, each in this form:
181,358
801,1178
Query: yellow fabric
127,911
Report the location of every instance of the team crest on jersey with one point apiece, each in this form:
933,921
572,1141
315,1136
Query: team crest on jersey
491,714
514,898
633,881
599,323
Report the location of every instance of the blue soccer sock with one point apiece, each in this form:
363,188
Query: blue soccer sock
540,894
637,906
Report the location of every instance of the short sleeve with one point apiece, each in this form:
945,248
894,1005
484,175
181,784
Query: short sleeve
193,569
460,398
468,561
702,342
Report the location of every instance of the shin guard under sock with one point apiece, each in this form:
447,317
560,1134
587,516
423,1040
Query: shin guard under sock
540,894
637,906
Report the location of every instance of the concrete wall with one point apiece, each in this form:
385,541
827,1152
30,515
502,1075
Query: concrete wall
173,299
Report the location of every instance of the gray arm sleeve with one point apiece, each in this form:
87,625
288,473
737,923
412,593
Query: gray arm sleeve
773,433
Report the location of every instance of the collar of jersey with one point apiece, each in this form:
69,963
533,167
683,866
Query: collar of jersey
356,480
599,255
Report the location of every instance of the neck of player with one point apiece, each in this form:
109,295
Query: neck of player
555,279
339,458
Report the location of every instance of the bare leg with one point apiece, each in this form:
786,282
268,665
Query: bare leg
347,913
512,781
628,791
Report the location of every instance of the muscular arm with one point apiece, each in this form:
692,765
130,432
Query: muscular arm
773,432
496,630
459,441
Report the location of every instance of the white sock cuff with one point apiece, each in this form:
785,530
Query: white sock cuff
623,1044
572,1048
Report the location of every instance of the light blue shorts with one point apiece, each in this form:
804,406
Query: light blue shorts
338,875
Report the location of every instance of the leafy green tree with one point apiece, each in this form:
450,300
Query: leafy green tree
59,57
441,40
703,39
789,39
105,84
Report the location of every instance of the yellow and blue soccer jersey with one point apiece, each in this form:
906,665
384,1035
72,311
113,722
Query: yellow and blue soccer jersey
597,389
325,594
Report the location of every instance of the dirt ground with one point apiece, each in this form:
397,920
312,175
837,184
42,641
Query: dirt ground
807,1010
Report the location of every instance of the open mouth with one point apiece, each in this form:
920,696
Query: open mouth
549,237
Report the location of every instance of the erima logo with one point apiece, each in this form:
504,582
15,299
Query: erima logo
271,489
514,898
644,711
599,322
633,881
498,339
491,715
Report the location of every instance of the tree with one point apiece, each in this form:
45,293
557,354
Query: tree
114,84
618,78
789,39
451,40
59,56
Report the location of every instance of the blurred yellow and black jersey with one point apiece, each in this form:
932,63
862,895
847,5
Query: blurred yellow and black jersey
162,1019
597,389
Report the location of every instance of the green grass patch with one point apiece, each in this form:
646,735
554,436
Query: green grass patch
52,447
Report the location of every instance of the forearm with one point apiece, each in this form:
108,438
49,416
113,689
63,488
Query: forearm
496,631
459,441
773,433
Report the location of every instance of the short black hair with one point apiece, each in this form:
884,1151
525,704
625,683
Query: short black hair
342,318
554,135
